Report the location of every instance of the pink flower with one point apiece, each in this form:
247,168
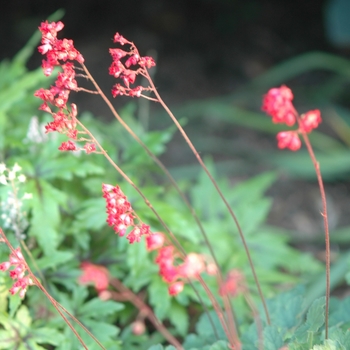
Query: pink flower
119,212
97,275
154,241
176,288
192,267
5,266
90,148
233,284
288,139
67,146
21,283
310,120
278,104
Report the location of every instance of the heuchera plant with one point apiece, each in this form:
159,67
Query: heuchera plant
176,266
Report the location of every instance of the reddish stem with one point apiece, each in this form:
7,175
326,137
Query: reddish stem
145,310
325,222
200,161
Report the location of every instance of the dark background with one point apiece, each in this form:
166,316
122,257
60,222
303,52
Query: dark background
204,47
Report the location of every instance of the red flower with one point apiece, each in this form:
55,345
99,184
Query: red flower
288,139
310,120
16,259
176,288
97,275
278,104
233,284
67,146
90,148
154,241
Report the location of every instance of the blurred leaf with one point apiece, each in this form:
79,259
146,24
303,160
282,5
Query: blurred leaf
337,25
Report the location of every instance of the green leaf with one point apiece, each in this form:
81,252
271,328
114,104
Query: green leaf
46,216
159,298
101,308
328,345
219,345
315,316
178,316
314,321
14,303
273,339
47,335
55,259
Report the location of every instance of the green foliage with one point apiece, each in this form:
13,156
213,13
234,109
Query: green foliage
20,333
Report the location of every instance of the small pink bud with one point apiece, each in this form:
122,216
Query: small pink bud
138,327
176,288
154,241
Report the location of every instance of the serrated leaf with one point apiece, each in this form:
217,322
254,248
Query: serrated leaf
329,345
101,308
315,316
285,308
55,259
273,339
45,221
91,214
47,336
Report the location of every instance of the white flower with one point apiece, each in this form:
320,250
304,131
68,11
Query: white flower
27,196
16,168
21,178
3,180
11,175
2,167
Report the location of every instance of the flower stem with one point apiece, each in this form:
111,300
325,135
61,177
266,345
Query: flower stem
188,141
326,227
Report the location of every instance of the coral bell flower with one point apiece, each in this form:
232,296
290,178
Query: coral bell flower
278,104
94,274
288,139
310,120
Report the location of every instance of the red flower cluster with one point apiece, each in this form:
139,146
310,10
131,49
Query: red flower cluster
96,274
234,284
278,104
120,214
16,260
60,53
123,71
172,272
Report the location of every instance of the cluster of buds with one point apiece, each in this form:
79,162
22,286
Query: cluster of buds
131,58
278,104
12,214
60,53
120,214
22,281
172,268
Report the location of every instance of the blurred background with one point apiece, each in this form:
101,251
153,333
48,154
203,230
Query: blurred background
215,60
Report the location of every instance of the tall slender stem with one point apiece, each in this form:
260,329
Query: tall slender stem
227,303
183,133
326,227
138,302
